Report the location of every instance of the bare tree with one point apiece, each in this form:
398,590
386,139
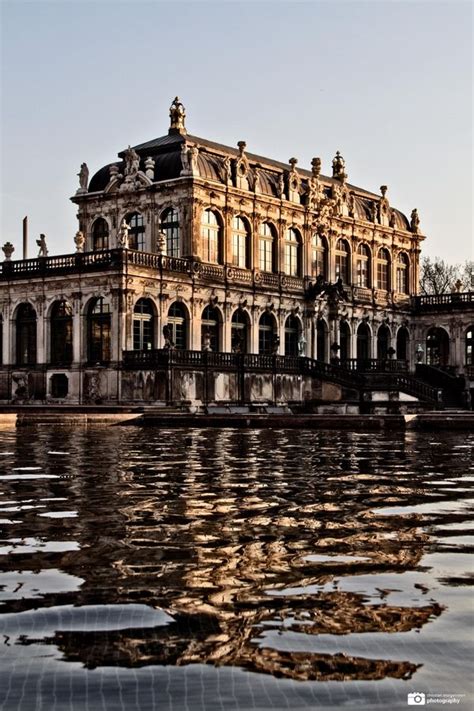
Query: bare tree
439,277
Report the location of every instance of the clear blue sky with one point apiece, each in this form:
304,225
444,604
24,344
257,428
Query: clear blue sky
387,83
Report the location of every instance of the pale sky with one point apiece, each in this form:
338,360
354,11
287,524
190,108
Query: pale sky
387,83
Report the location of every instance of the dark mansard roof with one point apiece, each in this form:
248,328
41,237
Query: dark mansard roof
166,152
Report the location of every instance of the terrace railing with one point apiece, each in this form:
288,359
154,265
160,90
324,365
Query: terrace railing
444,302
376,365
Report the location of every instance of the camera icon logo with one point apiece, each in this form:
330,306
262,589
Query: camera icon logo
416,698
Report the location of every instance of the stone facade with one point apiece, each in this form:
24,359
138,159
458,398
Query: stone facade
188,245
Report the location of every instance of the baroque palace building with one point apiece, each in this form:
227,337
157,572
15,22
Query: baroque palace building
206,274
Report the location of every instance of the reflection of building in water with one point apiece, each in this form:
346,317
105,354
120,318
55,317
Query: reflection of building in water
205,273
227,549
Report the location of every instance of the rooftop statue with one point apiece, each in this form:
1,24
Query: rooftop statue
339,167
316,167
83,178
132,162
177,115
415,221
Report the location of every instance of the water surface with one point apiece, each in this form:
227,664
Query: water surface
229,569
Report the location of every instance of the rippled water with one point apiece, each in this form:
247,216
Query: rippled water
229,569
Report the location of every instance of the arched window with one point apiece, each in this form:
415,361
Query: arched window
363,266
266,248
383,342
363,342
170,228
267,334
210,329
211,234
240,331
26,335
61,333
402,343
321,338
383,270
319,256
402,273
469,347
344,341
98,331
178,324
292,265
143,325
136,233
342,261
437,346
240,243
100,234
292,330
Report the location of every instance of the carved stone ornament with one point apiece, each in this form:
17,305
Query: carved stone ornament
150,168
8,250
339,167
79,241
177,116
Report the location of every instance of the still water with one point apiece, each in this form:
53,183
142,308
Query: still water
229,569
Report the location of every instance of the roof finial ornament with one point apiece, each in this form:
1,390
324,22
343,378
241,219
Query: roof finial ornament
339,167
177,116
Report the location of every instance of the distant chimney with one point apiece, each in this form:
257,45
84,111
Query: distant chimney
25,238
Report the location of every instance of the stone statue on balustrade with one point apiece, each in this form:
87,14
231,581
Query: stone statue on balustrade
122,237
43,249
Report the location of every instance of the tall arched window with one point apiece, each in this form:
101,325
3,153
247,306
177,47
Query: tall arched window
363,342
402,273
342,261
143,325
178,324
402,343
210,329
240,243
26,335
100,234
363,266
170,228
292,265
240,331
321,349
469,347
211,234
61,333
136,234
267,334
266,248
319,256
383,342
344,341
292,330
98,331
383,270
